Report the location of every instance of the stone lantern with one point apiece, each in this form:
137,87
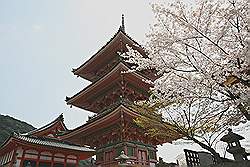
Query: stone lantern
234,147
122,159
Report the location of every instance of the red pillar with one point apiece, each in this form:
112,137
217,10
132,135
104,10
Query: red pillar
65,161
52,160
77,161
21,163
38,158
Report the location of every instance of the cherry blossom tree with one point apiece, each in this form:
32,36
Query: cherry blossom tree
190,121
201,55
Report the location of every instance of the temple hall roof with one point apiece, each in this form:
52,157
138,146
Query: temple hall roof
59,121
47,142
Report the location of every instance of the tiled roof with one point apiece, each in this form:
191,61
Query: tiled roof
51,143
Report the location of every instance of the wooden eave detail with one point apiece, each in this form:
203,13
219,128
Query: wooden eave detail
81,99
105,54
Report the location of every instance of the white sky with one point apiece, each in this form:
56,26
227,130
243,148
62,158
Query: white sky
42,40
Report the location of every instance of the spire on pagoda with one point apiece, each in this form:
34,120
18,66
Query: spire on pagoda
110,96
122,27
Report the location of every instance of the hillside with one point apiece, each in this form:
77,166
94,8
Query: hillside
9,125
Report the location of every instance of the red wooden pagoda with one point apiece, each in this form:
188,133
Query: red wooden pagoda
110,95
42,148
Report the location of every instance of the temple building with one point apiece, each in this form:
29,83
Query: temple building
110,133
110,96
42,148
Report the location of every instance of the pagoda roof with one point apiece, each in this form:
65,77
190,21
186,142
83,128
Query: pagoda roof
116,43
110,117
45,142
115,74
105,120
58,122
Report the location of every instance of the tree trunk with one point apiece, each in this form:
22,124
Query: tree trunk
210,149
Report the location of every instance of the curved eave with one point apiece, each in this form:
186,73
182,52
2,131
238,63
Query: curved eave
90,126
115,72
104,121
83,71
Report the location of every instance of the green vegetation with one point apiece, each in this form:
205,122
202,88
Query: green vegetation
9,125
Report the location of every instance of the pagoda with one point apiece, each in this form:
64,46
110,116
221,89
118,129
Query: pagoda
110,96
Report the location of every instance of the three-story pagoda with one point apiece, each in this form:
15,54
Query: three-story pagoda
112,129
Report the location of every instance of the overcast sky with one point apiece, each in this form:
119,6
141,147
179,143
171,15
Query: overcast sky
41,41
